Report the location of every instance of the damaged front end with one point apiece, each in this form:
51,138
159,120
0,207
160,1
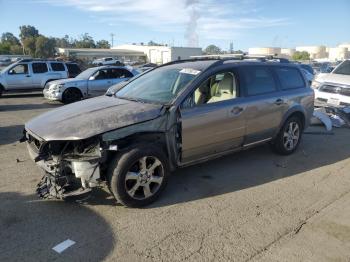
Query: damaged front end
71,167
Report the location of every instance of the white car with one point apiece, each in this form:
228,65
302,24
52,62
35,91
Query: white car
89,83
333,89
106,61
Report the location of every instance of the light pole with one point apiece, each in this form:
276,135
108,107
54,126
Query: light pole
112,38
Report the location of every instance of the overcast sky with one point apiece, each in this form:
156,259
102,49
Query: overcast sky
246,23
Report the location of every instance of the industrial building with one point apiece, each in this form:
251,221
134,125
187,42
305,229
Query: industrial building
340,52
90,54
162,54
276,51
138,53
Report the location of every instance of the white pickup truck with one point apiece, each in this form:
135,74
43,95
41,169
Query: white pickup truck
333,89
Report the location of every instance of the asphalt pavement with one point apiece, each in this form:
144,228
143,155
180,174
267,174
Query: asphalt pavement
248,206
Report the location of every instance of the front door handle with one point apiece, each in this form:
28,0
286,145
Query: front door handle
279,102
27,75
236,110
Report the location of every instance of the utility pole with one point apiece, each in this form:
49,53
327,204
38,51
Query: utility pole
112,37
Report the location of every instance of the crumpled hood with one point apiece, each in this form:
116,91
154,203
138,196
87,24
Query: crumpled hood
90,117
334,78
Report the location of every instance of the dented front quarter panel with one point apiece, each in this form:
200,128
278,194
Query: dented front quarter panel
155,125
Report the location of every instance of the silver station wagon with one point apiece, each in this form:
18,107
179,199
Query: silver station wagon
175,115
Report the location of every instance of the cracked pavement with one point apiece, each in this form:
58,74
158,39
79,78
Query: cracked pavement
249,206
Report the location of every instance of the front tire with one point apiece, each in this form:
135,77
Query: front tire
138,175
288,139
71,95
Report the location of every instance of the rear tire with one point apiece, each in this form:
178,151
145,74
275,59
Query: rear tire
138,175
289,137
71,95
1,90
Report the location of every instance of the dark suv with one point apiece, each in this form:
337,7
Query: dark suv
175,115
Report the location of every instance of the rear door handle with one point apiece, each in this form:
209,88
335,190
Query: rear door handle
27,75
236,110
279,102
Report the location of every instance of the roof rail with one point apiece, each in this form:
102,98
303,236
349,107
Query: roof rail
38,59
262,58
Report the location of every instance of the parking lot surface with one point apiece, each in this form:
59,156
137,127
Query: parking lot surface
248,206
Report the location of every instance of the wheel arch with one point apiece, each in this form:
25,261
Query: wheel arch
49,80
75,88
297,111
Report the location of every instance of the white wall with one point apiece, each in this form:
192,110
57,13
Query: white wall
184,52
163,54
264,51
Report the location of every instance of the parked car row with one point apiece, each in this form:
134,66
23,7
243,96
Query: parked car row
62,81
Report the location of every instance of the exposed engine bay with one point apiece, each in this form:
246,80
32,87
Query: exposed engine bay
71,167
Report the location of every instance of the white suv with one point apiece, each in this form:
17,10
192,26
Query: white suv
333,89
30,74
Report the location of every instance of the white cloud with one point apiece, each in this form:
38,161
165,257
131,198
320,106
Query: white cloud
215,19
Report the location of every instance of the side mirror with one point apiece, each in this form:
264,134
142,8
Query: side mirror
11,72
91,78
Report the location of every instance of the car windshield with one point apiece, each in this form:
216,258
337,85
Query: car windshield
343,68
160,85
86,74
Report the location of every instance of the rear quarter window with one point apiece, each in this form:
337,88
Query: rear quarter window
257,80
290,78
58,67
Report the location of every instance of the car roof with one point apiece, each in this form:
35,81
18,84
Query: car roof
203,64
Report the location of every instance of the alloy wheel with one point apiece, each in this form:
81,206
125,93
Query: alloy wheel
291,136
144,178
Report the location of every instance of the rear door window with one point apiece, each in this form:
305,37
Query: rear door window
57,67
257,80
120,73
39,68
290,78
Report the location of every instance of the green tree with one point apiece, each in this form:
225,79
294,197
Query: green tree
9,38
29,45
212,50
103,44
301,56
85,41
16,50
27,31
63,42
5,48
44,47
